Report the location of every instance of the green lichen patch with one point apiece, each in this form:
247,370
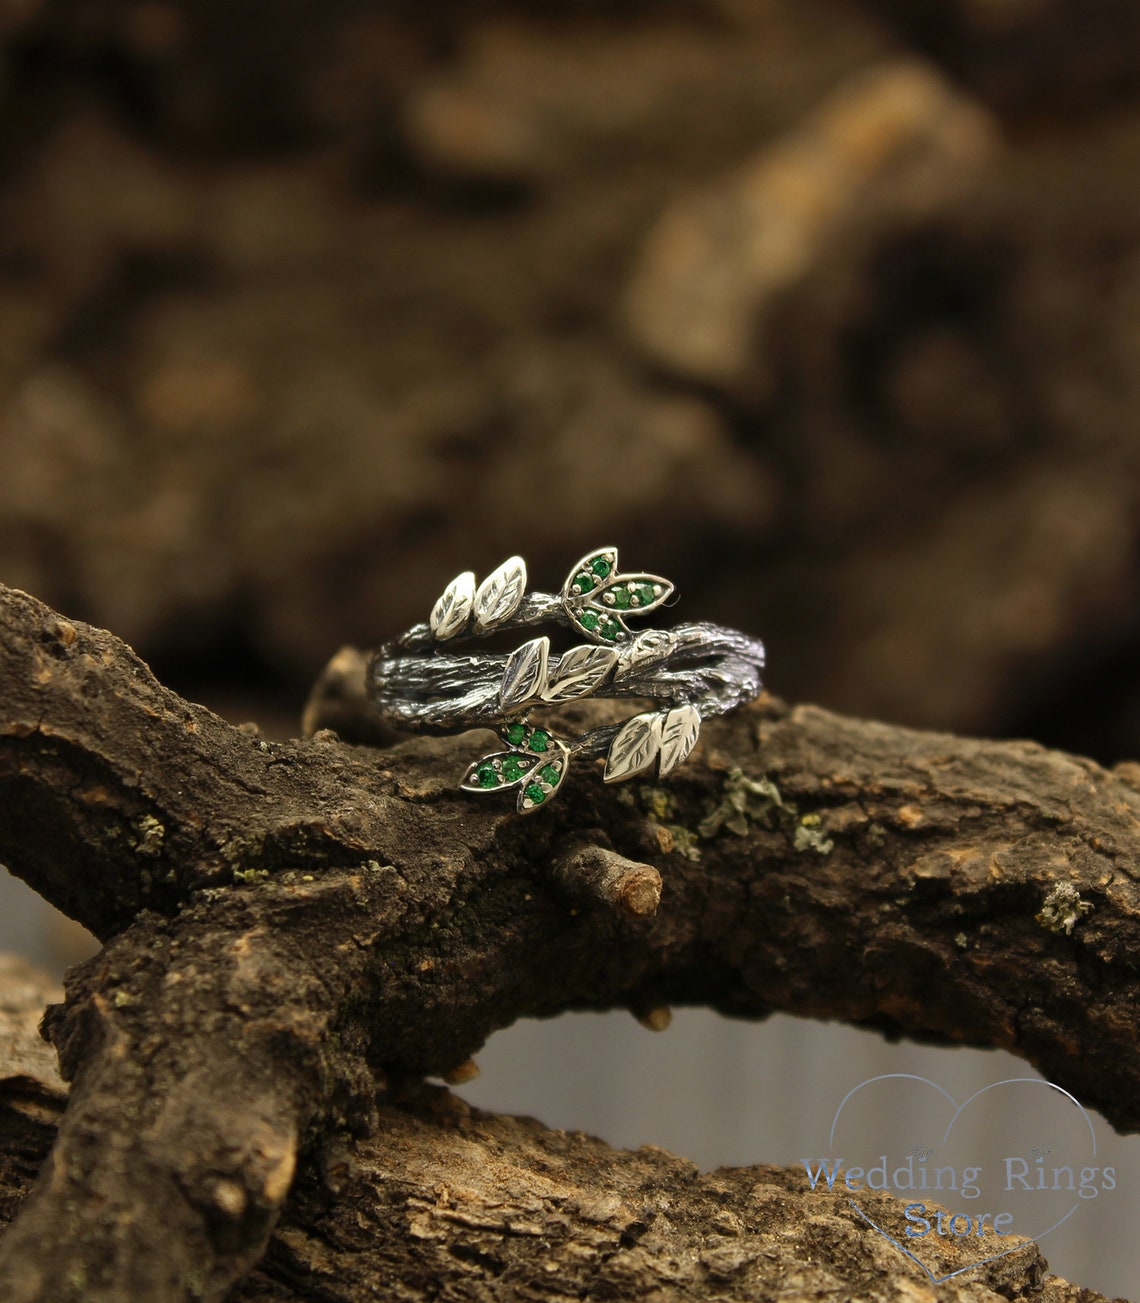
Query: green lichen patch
744,801
1062,909
245,876
659,807
685,842
810,836
149,835
656,801
241,850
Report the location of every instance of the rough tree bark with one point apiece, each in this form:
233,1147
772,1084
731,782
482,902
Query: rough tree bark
446,1202
286,925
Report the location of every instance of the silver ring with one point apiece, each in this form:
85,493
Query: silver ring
695,671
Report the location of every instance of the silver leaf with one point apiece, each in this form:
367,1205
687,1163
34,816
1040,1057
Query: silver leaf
651,647
605,629
500,594
631,588
580,671
607,554
679,733
450,614
524,675
557,757
634,748
493,766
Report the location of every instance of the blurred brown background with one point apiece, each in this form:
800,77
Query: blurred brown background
829,310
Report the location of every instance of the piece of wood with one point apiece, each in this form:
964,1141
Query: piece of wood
286,924
446,1198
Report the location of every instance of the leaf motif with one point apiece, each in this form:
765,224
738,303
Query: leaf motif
594,568
634,747
524,675
499,595
631,594
545,780
501,769
580,671
606,629
450,614
648,648
679,733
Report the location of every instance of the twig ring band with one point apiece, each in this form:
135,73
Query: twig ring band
695,671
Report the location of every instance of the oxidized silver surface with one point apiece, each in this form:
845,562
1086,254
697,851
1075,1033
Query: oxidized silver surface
695,671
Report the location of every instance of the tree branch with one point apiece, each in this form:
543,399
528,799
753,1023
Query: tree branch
285,922
445,1198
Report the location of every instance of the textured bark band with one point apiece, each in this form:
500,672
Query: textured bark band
695,671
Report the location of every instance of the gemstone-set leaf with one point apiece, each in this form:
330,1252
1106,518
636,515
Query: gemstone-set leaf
597,598
500,769
535,765
590,572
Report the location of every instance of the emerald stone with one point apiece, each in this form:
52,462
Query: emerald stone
516,734
644,594
600,566
538,740
535,793
486,776
620,594
513,768
548,774
583,582
609,630
590,620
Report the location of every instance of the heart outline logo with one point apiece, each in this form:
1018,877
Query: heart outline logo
959,1109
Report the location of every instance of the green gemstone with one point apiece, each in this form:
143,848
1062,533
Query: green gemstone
516,734
620,594
590,620
600,566
610,630
486,776
513,768
538,740
583,582
535,793
548,774
644,594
